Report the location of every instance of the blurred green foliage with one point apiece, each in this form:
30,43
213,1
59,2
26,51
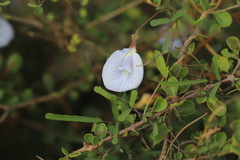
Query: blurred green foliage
55,60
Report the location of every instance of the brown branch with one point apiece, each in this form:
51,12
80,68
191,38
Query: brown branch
90,148
5,108
37,100
28,21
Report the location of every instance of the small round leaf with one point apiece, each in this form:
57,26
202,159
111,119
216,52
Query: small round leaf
100,130
223,18
34,5
88,138
160,104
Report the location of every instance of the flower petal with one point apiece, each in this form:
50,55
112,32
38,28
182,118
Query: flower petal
123,70
6,32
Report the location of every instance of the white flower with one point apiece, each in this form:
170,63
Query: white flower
6,32
123,71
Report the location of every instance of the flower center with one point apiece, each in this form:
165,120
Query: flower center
127,64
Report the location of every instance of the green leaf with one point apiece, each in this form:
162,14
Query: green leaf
235,144
186,17
14,62
201,98
191,47
34,5
147,154
234,44
25,95
158,2
84,2
144,118
177,15
102,92
184,88
187,108
237,84
124,115
223,18
148,114
160,104
133,98
100,130
131,118
223,63
38,11
174,70
91,154
199,21
124,103
216,106
215,67
88,138
190,148
95,140
183,72
168,87
182,83
214,28
204,4
202,150
156,22
226,54
161,7
115,134
214,90
114,107
48,82
72,118
177,104
168,41
161,65
221,139
162,128
64,151
75,154
235,125
1,93
155,130
5,3
178,155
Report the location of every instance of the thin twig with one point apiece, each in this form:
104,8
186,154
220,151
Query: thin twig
164,148
5,108
37,100
113,14
179,133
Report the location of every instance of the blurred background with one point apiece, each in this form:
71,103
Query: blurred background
55,59
52,64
